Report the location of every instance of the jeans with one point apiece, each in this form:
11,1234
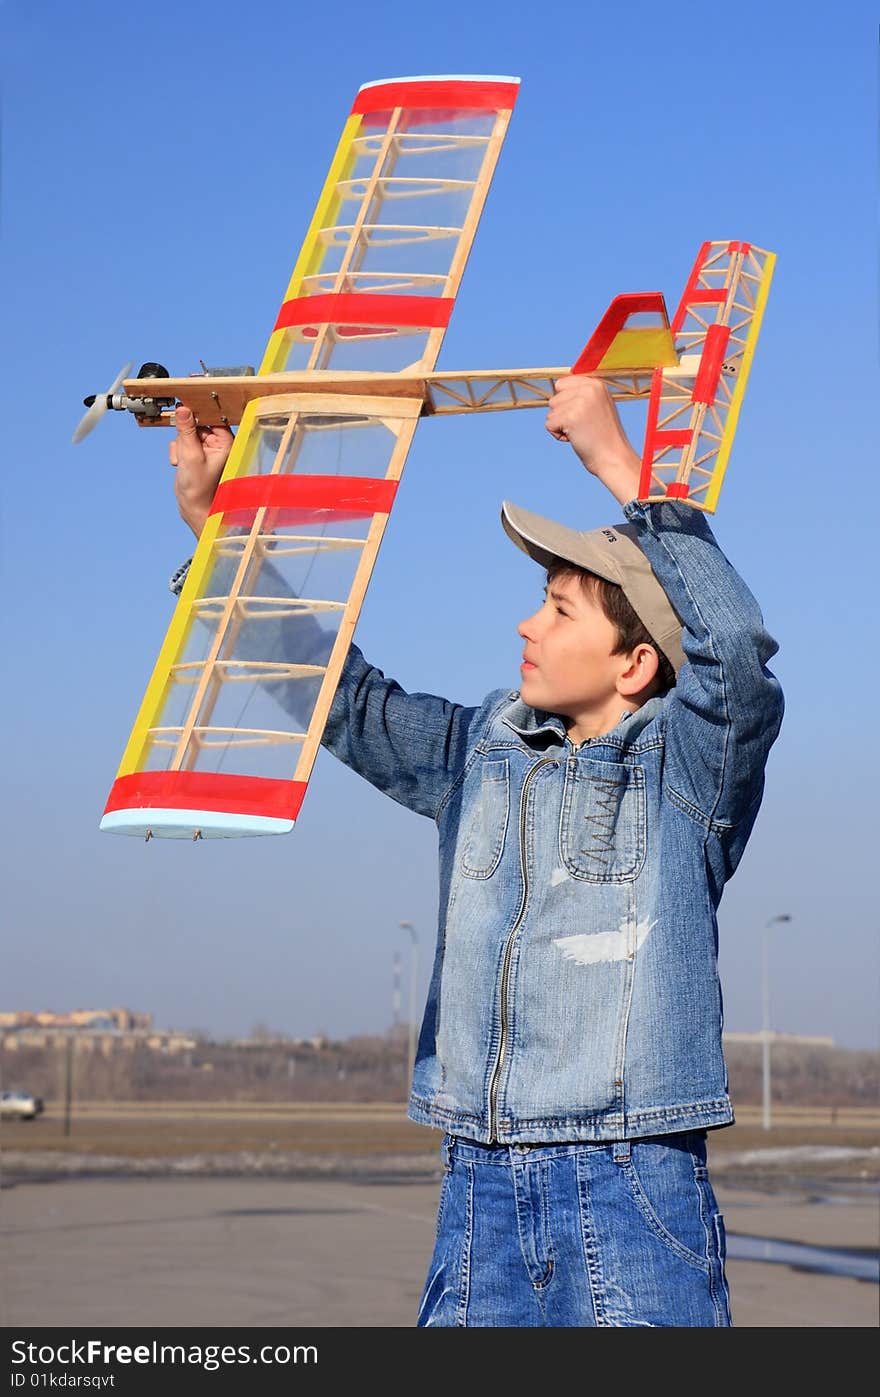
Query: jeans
624,1234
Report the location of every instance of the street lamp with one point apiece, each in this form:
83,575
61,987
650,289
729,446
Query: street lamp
408,926
765,1017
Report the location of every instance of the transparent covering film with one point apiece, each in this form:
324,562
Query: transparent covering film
417,124
399,213
261,631
420,153
319,444
339,445
255,451
263,442
390,247
349,348
376,283
406,202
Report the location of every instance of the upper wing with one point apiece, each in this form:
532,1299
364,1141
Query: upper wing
230,725
379,270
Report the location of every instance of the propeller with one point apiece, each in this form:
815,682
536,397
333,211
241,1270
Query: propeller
99,404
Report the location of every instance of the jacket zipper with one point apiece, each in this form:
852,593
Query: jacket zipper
508,949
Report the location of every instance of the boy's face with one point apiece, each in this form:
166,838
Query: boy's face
568,665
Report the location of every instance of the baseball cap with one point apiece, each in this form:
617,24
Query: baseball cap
612,552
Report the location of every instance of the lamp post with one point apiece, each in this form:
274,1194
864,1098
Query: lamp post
395,990
765,1016
408,926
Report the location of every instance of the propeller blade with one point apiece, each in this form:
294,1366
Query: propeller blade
93,415
123,374
90,419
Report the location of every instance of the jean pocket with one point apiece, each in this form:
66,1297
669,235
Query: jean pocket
670,1189
602,828
487,825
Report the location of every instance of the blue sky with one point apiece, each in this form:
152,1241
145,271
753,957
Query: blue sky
160,170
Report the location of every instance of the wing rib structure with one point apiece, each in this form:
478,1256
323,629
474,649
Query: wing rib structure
229,727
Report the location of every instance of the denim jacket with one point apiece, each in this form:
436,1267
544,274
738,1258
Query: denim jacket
575,991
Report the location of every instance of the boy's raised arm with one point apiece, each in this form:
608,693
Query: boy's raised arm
725,711
411,746
726,708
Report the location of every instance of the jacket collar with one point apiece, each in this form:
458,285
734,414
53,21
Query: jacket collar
536,727
533,724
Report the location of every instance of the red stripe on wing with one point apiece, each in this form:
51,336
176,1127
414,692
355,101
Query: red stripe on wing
206,790
354,309
441,94
353,495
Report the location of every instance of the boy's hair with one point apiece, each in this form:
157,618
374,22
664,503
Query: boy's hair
630,630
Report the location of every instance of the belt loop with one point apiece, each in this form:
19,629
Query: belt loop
621,1151
448,1146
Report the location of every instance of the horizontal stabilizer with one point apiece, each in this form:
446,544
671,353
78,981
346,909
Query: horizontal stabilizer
633,333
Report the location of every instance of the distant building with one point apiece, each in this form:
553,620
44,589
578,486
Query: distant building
124,1020
93,1030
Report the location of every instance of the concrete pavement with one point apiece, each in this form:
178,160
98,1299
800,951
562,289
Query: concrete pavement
329,1252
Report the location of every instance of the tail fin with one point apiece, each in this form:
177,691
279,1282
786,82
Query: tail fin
634,333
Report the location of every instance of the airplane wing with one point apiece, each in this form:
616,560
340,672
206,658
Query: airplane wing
232,718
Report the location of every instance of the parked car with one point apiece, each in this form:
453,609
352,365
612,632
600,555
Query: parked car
21,1105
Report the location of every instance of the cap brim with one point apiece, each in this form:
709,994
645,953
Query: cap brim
546,542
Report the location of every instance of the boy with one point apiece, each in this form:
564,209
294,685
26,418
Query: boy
571,1044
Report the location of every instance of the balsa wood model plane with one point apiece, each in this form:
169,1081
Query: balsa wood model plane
325,427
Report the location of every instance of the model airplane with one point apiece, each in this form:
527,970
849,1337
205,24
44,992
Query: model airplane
325,427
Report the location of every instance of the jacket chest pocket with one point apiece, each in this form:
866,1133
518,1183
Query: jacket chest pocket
487,820
602,834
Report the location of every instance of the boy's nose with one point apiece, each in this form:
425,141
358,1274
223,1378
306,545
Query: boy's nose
526,628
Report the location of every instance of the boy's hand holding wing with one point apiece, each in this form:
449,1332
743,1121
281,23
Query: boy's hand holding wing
199,455
583,413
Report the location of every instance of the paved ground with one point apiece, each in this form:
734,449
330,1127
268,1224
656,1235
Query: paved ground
274,1252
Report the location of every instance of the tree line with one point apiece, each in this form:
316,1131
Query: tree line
367,1068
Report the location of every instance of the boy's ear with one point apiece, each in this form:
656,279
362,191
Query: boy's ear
642,664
